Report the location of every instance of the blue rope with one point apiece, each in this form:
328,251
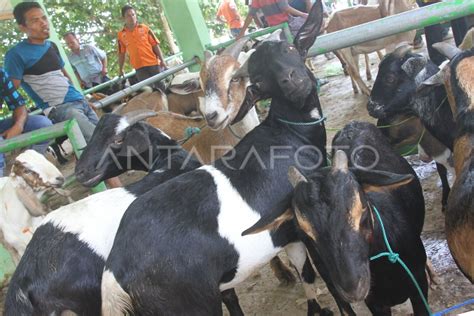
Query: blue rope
395,257
304,123
447,310
190,131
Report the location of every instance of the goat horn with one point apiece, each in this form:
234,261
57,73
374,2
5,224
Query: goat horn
138,115
295,176
243,71
119,108
341,161
235,49
447,50
401,50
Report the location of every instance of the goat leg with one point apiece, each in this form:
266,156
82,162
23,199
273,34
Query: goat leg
368,74
282,272
231,302
443,175
299,258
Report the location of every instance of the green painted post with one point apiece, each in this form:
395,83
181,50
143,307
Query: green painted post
7,267
189,28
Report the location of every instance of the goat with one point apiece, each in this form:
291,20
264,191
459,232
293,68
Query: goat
334,211
349,56
62,267
181,98
407,131
397,91
205,226
207,144
224,101
459,222
20,209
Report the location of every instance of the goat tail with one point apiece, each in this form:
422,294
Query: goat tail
115,301
17,302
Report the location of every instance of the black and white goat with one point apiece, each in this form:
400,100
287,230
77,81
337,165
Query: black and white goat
334,208
20,208
62,267
179,245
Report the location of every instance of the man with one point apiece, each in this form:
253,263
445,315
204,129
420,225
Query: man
20,121
228,10
275,11
142,46
301,5
35,63
89,62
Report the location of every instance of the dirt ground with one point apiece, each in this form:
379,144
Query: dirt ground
262,294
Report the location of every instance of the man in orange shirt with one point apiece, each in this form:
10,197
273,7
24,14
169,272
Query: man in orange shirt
142,46
228,10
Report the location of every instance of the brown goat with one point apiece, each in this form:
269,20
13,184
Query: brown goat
459,82
353,16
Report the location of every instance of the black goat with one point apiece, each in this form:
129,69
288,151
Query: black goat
400,74
334,210
62,266
182,239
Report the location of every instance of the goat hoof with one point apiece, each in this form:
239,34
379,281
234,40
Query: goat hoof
282,272
326,312
286,278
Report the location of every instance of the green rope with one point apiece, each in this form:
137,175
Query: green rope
412,150
304,123
394,257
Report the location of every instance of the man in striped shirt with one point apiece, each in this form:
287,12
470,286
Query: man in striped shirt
275,12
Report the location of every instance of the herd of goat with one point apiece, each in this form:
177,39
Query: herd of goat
179,241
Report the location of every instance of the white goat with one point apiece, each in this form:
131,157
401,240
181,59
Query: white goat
20,208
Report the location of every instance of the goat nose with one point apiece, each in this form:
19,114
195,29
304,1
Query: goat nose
287,79
211,116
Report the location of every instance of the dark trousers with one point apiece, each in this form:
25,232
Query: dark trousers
434,34
150,71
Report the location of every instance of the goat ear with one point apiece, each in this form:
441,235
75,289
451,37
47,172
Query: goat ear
130,145
413,65
271,222
252,95
30,201
380,181
295,176
436,80
310,29
207,56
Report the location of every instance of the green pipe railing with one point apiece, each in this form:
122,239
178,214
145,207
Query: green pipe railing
69,128
391,25
136,87
128,75
268,30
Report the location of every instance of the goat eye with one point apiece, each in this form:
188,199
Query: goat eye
118,142
236,79
390,79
